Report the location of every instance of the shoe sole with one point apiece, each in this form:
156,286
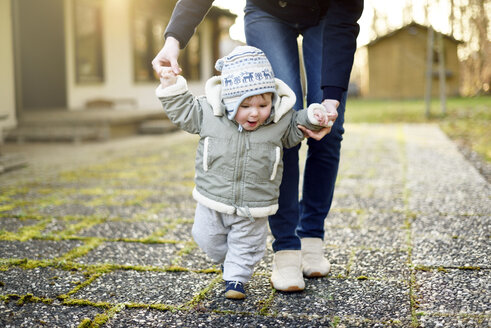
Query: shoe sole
289,289
235,295
315,275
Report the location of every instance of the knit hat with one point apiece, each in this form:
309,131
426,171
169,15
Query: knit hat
245,72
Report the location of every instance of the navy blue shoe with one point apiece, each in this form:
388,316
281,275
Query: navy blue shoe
234,290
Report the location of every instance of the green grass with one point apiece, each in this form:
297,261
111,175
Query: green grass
467,120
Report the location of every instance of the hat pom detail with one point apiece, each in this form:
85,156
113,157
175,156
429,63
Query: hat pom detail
219,64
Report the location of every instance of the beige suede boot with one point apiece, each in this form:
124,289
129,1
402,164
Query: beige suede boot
287,271
314,263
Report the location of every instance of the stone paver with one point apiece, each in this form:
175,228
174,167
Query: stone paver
99,234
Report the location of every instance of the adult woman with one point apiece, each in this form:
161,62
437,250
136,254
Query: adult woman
329,30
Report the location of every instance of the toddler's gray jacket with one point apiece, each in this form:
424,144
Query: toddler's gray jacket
236,171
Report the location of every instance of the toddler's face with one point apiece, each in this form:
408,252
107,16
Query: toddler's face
254,111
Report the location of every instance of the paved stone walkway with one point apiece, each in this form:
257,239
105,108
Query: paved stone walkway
99,235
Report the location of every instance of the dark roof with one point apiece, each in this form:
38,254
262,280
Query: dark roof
405,27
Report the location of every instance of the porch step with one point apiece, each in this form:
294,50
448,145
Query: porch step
62,133
12,161
157,127
86,125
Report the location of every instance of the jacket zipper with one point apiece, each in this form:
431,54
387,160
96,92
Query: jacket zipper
238,169
243,142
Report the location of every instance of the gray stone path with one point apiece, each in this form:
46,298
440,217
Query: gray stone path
98,235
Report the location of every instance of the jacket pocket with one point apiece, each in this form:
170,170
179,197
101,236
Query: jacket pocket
263,163
218,157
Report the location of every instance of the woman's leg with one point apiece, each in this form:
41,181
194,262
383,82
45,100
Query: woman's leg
321,168
278,40
322,161
321,165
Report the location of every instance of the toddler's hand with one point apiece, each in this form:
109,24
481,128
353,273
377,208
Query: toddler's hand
331,106
326,119
322,117
167,76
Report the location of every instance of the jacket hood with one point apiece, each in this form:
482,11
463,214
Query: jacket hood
284,101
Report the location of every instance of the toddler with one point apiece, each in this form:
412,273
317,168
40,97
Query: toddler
244,120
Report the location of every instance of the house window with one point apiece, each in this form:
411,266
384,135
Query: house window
436,56
150,18
89,67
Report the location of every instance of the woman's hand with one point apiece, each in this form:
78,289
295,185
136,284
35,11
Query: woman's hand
167,56
331,106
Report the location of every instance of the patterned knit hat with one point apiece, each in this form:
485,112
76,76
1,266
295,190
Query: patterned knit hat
245,72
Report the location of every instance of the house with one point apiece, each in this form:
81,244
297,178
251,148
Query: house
73,56
394,65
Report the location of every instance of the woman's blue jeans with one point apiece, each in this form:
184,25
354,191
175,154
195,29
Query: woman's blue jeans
305,218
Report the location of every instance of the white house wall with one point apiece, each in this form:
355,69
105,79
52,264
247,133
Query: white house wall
7,80
118,62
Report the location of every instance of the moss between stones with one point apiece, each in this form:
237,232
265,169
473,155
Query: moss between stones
101,319
469,268
115,176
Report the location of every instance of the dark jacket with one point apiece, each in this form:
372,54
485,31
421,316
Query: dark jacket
339,35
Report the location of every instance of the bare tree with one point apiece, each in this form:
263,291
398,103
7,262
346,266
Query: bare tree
427,13
481,22
442,76
451,19
373,27
476,50
380,22
407,12
429,60
429,70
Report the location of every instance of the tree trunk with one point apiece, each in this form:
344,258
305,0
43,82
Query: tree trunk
441,74
429,70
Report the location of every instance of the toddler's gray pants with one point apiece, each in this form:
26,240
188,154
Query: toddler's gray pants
233,240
